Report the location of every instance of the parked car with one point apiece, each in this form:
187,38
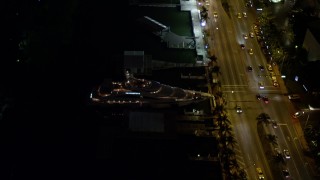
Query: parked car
251,34
244,14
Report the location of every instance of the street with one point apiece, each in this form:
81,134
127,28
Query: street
240,88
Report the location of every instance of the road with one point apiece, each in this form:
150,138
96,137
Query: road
240,87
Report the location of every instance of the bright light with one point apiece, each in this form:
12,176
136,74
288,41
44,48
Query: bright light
203,23
305,87
95,99
133,93
275,1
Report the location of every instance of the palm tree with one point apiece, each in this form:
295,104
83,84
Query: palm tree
234,167
263,117
226,129
219,94
216,69
222,119
230,140
204,12
278,158
205,16
219,109
264,19
213,58
242,174
272,138
225,155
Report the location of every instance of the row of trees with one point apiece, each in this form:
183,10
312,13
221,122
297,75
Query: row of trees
225,135
283,43
226,140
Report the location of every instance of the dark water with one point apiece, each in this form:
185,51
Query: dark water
48,132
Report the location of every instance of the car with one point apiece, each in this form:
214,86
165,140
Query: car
261,85
286,153
278,152
250,51
260,173
269,67
258,96
249,68
259,38
265,99
215,14
285,173
249,3
239,15
244,14
298,114
261,67
207,3
274,124
275,83
294,96
245,36
242,46
251,34
238,109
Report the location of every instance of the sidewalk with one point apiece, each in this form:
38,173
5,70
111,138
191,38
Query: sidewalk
191,5
281,82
